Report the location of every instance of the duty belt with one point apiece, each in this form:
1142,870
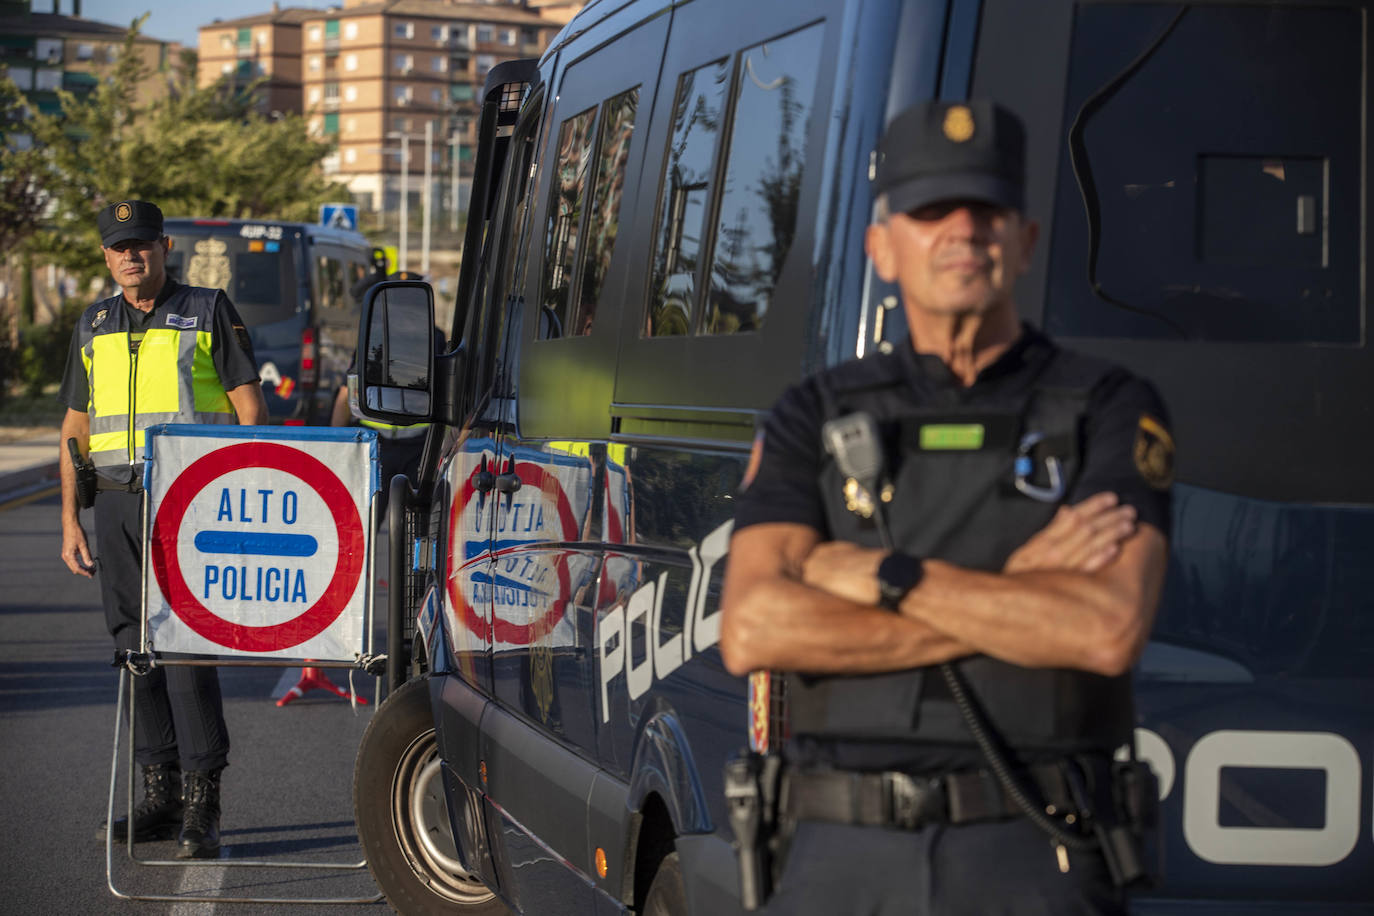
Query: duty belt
907,802
133,486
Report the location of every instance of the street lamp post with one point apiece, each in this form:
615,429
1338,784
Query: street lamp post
456,141
429,193
405,195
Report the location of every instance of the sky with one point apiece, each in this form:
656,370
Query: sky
172,20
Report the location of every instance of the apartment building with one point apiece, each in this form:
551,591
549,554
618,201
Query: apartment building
376,73
45,52
265,47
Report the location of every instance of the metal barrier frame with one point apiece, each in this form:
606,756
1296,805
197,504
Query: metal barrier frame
149,656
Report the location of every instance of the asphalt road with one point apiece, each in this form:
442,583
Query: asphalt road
287,791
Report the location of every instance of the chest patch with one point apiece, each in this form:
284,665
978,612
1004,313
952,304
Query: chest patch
184,323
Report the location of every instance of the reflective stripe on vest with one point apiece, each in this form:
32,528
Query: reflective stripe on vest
171,379
392,431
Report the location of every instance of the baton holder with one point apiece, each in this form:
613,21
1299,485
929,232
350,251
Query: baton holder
126,688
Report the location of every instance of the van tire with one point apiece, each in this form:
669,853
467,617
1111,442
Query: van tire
667,894
398,805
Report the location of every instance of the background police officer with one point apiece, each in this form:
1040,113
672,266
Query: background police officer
988,433
159,352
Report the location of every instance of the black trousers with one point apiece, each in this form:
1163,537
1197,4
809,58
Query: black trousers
178,710
982,869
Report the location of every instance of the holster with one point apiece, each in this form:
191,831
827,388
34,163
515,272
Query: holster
1132,846
752,782
86,483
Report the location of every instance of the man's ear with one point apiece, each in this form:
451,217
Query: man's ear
878,246
167,244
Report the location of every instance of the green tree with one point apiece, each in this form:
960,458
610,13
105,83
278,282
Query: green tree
199,151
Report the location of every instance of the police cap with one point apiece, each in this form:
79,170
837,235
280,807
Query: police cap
934,151
129,219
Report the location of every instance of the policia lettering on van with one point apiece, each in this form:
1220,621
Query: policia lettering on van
962,674
667,231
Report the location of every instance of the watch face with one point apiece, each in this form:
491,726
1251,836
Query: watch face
898,574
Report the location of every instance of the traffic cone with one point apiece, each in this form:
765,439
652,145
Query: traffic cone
316,679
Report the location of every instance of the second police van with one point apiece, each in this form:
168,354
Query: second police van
297,288
667,230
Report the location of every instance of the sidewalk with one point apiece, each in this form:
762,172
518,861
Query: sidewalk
28,461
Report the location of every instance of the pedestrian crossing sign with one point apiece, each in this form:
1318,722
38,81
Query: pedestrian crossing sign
339,216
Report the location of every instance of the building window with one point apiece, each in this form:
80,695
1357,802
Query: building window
23,78
350,93
438,32
404,30
331,122
331,29
49,49
315,63
350,30
226,42
461,92
85,51
331,92
351,62
316,34
400,125
47,79
461,63
439,64
484,63
112,53
402,94
508,37
314,93
262,39
350,155
404,62
245,39
226,68
436,96
485,33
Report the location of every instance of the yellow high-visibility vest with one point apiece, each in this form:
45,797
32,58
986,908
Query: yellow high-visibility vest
165,374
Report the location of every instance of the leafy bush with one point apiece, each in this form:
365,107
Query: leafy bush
43,349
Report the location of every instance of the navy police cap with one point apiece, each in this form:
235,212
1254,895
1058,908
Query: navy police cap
936,151
129,219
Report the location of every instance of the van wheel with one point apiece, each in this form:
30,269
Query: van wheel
398,802
667,895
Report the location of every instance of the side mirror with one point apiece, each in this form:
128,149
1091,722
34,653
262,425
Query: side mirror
394,378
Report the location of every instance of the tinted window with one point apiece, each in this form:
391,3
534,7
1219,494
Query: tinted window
758,209
565,216
613,152
697,112
1221,178
257,274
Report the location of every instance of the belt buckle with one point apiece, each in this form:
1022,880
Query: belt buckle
909,800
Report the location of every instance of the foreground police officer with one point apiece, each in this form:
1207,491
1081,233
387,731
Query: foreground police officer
159,352
1024,492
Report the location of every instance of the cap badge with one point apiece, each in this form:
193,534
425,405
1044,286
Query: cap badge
123,212
958,124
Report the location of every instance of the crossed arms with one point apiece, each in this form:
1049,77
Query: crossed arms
1081,593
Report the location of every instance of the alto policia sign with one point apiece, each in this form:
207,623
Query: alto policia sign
258,540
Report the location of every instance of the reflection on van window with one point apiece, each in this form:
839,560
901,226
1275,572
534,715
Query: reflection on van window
255,273
613,151
333,286
686,184
565,215
758,208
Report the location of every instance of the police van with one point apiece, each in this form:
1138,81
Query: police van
296,287
667,230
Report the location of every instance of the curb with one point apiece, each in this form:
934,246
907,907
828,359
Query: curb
27,481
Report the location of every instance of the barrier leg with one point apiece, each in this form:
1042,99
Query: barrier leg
316,679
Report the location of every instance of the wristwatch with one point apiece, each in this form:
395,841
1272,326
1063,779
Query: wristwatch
898,574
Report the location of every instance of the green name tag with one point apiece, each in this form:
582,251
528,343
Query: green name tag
961,437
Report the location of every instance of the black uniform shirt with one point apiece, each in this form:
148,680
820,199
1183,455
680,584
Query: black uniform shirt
230,347
786,486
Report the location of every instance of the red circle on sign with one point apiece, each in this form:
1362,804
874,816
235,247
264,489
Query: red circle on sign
167,563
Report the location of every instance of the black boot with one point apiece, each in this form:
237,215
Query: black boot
158,816
200,821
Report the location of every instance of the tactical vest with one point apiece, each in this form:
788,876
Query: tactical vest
959,503
166,376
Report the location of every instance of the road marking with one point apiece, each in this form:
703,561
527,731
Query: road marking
24,498
198,880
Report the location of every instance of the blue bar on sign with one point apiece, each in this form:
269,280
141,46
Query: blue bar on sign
257,542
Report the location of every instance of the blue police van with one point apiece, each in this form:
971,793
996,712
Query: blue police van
296,286
667,230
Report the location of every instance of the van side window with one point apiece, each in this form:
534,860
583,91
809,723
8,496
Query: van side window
613,151
774,94
565,216
698,110
332,284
